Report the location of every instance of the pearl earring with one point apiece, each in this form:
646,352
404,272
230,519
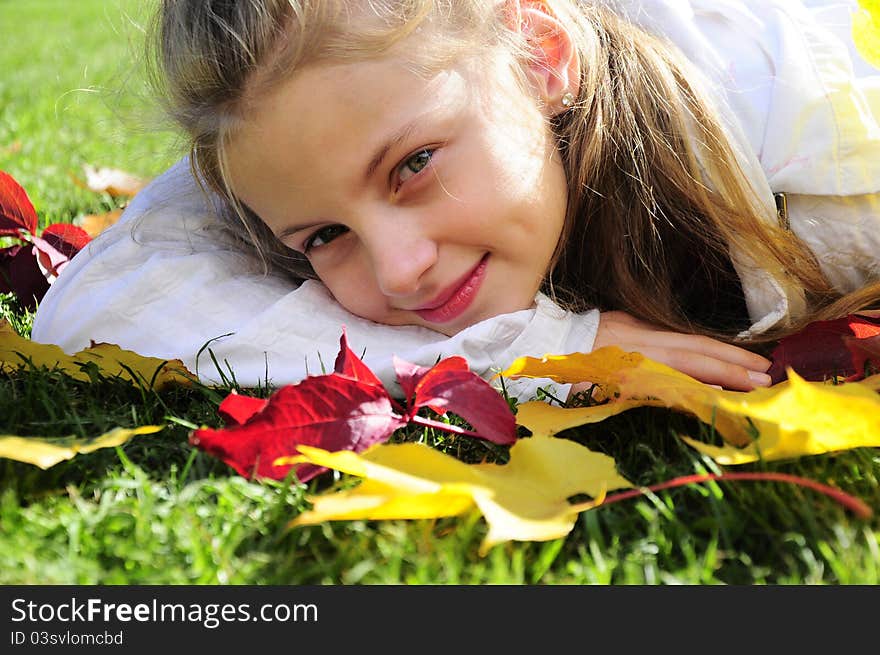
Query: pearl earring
567,100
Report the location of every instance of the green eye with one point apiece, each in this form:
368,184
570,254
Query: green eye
415,164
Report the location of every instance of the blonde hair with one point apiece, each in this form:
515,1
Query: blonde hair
657,200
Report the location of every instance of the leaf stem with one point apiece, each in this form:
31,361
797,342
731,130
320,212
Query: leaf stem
858,507
429,423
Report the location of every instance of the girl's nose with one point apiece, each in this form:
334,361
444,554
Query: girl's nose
400,262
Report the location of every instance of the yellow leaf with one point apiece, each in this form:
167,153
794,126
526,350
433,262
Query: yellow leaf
866,31
790,419
628,380
524,500
111,361
46,452
547,420
802,418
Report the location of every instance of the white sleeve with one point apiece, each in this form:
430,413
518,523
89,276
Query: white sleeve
158,283
790,82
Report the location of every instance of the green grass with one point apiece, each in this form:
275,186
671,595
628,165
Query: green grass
71,93
159,511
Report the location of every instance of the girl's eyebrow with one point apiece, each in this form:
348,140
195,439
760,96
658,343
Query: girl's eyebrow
394,140
293,229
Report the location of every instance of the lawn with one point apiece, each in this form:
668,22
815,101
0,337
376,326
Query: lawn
159,511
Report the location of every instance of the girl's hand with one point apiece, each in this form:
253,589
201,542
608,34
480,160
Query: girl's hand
703,358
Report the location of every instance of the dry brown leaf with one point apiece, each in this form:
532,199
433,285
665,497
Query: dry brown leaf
94,224
109,180
12,149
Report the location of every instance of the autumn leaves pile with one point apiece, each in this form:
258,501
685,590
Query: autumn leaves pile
343,420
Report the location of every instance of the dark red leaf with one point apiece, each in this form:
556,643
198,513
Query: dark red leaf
327,411
16,211
866,349
21,275
825,349
351,366
451,386
66,238
237,409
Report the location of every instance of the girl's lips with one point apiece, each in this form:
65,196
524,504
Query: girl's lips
453,301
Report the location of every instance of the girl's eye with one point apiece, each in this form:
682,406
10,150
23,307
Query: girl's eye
414,165
324,236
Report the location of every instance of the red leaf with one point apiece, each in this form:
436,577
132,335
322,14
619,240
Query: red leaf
864,350
408,376
66,238
451,386
21,275
237,409
825,349
327,411
16,211
350,365
51,260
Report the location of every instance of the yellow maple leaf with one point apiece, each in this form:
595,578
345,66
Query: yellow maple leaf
110,360
866,31
524,500
46,452
802,418
790,419
628,380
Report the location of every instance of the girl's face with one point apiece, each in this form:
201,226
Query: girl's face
434,202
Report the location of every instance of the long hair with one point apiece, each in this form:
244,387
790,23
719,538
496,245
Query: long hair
657,201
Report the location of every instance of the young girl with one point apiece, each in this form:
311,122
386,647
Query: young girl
493,178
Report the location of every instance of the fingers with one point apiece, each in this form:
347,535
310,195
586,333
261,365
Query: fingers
706,359
711,348
707,369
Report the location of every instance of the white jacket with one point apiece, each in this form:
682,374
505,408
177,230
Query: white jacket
799,103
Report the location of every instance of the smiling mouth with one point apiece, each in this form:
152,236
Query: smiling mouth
455,299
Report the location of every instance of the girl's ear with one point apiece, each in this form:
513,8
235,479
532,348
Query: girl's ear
554,69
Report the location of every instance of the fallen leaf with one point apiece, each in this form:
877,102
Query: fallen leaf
94,224
866,31
451,386
109,180
348,409
629,380
107,359
790,419
12,149
46,452
50,260
20,274
801,418
335,412
827,349
349,365
524,500
16,211
66,238
238,409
